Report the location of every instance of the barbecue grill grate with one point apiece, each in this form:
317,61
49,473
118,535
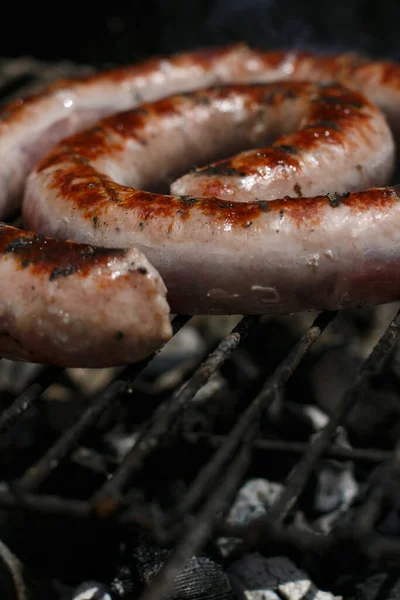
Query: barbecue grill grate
200,511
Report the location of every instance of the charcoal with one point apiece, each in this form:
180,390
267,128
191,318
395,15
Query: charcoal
91,590
201,577
122,584
255,577
336,486
253,500
381,586
147,559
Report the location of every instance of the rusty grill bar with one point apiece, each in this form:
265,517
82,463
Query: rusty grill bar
200,512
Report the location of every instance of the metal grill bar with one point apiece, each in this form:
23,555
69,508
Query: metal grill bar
11,497
38,472
270,526
45,379
199,529
243,433
162,419
302,471
295,448
247,422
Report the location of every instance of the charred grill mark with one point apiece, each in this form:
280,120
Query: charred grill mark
275,157
336,199
323,85
332,111
62,272
286,148
324,125
189,200
264,205
222,170
280,92
202,98
57,258
340,100
297,190
22,243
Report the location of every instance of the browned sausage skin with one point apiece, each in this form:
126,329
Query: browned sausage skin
74,304
29,127
221,255
334,251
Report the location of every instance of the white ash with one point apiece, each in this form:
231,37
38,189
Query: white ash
91,590
318,417
186,346
258,578
182,352
381,586
120,441
213,386
336,487
253,500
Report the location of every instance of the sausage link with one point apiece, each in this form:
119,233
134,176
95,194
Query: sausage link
235,249
221,255
74,304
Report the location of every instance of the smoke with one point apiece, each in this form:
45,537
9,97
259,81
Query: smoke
366,26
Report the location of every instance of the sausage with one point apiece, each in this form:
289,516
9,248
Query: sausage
328,130
74,304
29,127
219,255
348,243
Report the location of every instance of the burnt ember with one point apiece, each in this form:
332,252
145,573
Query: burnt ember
251,458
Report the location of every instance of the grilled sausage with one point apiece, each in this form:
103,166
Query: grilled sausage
30,127
226,256
73,304
334,251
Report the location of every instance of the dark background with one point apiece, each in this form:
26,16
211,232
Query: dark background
127,31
